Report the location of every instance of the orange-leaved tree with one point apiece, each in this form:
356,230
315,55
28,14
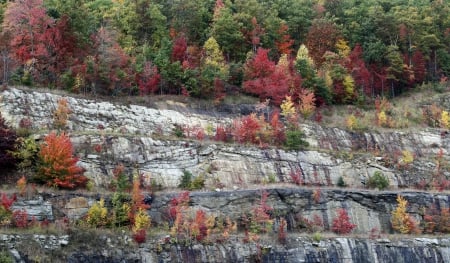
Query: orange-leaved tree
58,167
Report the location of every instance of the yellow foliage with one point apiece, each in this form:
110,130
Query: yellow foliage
287,107
349,87
382,118
141,220
214,57
407,157
351,122
342,48
303,54
445,119
401,221
97,214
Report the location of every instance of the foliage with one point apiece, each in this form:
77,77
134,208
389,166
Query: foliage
27,153
341,182
295,140
61,114
137,206
445,120
7,146
20,218
401,221
57,165
378,180
437,220
6,257
97,215
22,185
282,235
341,224
5,209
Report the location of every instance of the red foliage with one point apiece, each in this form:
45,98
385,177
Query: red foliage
419,67
268,80
58,163
341,224
20,218
322,36
221,134
7,202
140,236
27,21
284,43
246,128
278,131
356,65
148,80
179,49
137,200
199,226
175,203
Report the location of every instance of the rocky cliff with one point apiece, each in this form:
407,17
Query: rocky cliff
106,134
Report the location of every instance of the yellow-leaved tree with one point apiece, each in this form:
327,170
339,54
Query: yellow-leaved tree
400,219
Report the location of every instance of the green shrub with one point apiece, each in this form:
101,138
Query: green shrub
378,180
197,183
295,140
186,180
341,182
189,182
6,257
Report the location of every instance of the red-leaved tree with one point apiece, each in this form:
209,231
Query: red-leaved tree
58,166
342,224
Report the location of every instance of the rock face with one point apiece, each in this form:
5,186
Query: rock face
105,134
121,134
299,249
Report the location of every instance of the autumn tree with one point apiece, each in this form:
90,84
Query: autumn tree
400,219
148,79
269,80
213,67
341,223
58,167
322,37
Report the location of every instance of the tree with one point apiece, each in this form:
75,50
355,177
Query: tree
322,37
7,146
284,44
401,221
341,223
270,81
227,31
213,66
148,80
58,167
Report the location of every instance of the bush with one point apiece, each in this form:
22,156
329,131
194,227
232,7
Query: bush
97,214
6,257
341,182
378,180
186,180
342,224
295,141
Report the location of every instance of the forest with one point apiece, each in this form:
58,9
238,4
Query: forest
342,51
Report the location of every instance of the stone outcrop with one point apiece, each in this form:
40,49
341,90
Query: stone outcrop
106,134
128,134
298,249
